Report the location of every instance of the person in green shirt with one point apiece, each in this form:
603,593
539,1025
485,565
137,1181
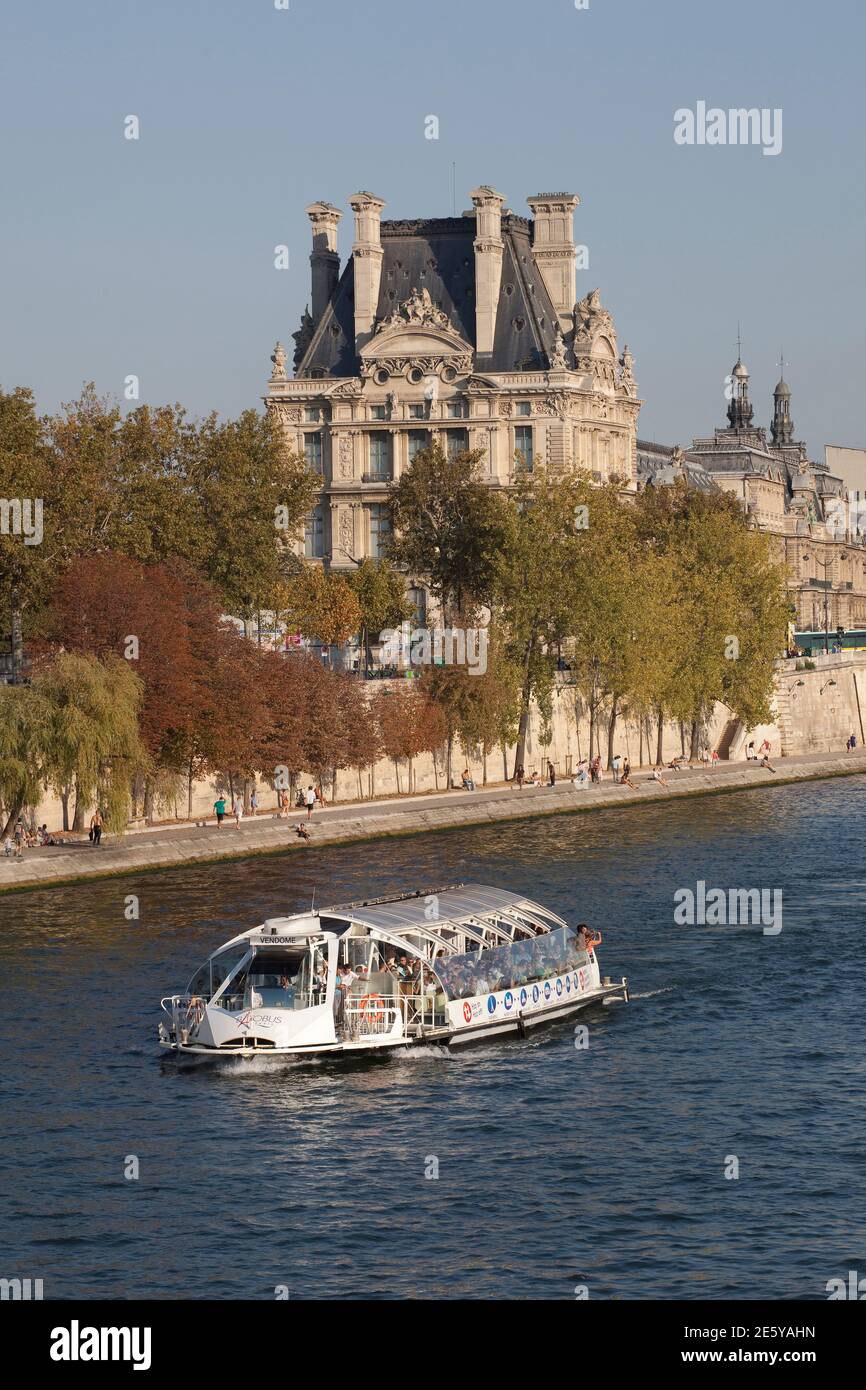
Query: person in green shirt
220,809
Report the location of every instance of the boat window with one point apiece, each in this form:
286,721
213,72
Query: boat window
504,967
275,980
208,979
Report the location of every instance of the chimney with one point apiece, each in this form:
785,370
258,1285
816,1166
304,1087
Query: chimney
553,248
325,261
488,264
367,256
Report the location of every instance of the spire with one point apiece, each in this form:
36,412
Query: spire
740,409
782,429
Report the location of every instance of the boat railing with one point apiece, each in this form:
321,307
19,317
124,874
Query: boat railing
186,1011
370,1015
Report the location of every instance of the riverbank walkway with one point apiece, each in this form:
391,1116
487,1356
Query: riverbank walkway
173,844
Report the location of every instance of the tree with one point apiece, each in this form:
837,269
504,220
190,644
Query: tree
411,723
24,736
323,605
381,594
535,590
165,622
252,495
92,740
448,525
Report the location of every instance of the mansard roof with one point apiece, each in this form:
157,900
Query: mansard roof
437,254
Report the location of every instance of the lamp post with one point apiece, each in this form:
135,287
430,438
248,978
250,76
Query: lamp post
826,565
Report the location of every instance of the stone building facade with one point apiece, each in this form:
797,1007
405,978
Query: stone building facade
463,331
810,512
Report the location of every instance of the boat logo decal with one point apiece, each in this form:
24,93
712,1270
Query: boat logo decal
559,986
523,999
491,1004
547,989
467,1012
509,999
245,1019
568,984
535,994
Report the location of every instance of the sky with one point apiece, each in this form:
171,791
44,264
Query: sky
155,257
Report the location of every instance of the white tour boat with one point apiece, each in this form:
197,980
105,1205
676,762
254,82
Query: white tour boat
448,966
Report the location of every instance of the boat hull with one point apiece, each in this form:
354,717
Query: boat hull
485,1030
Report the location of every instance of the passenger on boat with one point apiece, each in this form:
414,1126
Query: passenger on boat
588,938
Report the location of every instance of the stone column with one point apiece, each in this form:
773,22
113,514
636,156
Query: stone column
367,255
553,249
488,264
325,260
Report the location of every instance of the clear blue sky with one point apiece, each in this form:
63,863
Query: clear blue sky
155,257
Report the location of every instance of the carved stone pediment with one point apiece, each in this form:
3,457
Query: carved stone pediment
480,386
346,390
416,334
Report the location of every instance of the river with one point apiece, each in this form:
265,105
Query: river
560,1168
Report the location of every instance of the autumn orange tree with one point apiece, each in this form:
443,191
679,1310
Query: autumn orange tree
411,723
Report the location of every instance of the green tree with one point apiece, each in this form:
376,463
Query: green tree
449,526
382,599
92,737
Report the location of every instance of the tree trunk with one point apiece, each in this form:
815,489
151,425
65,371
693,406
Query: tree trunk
525,698
148,800
247,794
17,644
611,729
64,802
448,764
661,736
484,767
17,808
78,818
695,743
397,775
189,782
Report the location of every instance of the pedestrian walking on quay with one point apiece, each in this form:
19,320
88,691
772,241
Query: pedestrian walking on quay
238,812
254,802
219,807
96,827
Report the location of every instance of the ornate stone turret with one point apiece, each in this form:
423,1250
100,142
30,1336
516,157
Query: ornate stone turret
325,261
782,429
367,254
489,247
553,248
740,410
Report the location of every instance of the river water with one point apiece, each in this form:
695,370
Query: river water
559,1168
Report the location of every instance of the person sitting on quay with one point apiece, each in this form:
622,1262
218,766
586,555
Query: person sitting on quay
851,744
581,777
657,775
625,779
468,783
765,761
750,752
301,829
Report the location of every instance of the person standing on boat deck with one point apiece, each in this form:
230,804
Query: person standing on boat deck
310,799
220,810
96,826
